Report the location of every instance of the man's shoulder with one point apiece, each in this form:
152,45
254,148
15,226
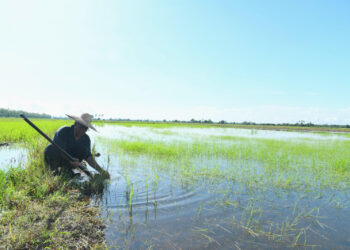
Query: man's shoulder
64,130
86,138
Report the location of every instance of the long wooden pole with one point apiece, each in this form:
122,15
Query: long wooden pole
66,155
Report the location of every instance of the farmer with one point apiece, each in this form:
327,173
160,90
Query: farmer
75,142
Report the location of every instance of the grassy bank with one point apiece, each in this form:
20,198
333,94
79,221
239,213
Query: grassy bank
39,210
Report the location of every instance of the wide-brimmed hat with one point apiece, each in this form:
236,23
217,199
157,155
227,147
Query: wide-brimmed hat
85,120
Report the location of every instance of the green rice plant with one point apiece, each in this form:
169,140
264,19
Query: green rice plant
146,181
131,194
155,182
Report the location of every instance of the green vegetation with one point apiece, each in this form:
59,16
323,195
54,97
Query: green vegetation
285,127
16,130
297,164
303,176
16,113
37,209
278,191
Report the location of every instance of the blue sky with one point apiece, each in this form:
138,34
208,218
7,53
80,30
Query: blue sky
262,61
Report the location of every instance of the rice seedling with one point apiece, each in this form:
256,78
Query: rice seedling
131,194
155,183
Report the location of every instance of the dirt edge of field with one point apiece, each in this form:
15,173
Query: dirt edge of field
55,223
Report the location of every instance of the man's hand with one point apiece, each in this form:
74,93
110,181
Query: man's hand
105,174
75,163
97,167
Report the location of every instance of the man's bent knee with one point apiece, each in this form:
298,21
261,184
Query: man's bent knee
52,157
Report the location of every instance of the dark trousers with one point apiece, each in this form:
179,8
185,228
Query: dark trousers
55,161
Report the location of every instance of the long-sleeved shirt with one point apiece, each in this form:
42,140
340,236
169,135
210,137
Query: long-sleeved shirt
80,149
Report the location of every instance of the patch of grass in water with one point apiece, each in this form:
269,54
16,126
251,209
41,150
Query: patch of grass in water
282,163
255,165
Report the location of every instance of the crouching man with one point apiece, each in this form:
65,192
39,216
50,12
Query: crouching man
74,140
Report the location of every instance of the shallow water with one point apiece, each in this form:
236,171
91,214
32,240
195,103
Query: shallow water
147,204
13,155
182,133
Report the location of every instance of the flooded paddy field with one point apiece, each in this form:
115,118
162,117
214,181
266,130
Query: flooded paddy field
184,187
227,188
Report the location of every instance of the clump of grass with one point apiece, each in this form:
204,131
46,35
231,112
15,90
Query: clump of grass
94,186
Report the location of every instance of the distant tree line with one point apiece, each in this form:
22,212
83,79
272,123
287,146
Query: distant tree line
16,113
300,123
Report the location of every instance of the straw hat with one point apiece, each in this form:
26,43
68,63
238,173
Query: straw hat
85,120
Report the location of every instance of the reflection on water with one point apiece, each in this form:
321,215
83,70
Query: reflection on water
12,155
147,206
186,133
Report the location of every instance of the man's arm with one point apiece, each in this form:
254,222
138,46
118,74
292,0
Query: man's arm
91,161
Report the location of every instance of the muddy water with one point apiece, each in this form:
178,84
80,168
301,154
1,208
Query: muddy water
146,206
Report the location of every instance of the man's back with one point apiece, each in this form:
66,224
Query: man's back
80,149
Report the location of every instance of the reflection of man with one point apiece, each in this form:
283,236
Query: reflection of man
75,142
